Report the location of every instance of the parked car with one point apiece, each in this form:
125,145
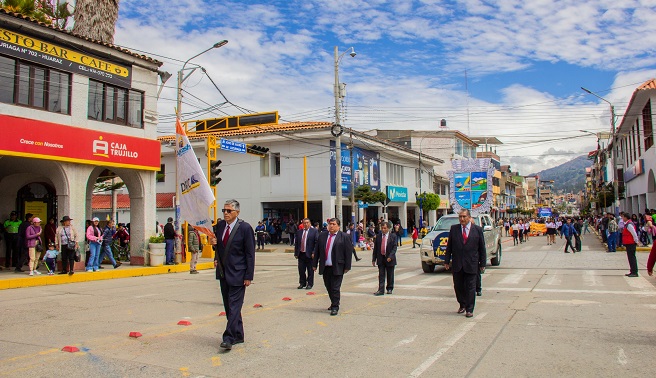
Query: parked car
433,246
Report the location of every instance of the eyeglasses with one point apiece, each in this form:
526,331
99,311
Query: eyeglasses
227,211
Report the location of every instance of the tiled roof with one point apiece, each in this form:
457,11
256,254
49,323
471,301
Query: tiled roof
650,84
281,127
104,201
55,28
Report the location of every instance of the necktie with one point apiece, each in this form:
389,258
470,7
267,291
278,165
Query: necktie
303,241
383,244
226,235
330,238
464,234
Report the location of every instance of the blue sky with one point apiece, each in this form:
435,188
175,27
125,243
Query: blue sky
525,64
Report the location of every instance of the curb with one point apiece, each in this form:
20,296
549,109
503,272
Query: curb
81,276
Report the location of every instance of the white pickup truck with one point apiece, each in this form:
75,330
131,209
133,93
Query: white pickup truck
433,245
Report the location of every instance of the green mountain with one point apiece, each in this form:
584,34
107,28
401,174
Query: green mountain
568,177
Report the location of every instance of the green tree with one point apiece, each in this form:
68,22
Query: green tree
51,12
365,194
430,201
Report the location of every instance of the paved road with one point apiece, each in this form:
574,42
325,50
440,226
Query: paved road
543,313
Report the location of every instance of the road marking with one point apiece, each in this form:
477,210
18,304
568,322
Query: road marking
622,292
463,330
591,279
513,279
621,357
407,275
639,283
432,279
574,302
146,295
216,361
420,298
364,277
405,341
553,280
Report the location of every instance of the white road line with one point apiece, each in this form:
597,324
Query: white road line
421,298
364,277
553,280
639,283
621,357
591,279
432,279
146,295
462,331
406,341
407,275
513,279
622,292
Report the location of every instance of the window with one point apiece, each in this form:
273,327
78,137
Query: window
275,164
161,175
458,147
648,125
394,174
34,86
264,166
112,104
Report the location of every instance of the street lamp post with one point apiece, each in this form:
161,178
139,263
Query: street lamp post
337,132
178,114
420,199
613,151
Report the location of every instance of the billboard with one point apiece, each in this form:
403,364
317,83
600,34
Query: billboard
470,185
366,168
544,212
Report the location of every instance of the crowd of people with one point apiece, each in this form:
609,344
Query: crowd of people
28,243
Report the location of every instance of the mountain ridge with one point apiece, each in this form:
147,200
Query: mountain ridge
568,177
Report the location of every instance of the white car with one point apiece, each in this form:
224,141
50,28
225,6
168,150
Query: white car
433,245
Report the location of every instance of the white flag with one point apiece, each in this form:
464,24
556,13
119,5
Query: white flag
195,193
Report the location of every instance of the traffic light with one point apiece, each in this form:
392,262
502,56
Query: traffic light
215,171
257,150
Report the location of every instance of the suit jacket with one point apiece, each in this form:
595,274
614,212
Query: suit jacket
470,256
238,259
310,242
342,253
390,250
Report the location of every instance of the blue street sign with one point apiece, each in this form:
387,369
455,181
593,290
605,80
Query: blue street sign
232,146
363,205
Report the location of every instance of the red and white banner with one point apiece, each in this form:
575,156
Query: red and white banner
44,140
196,196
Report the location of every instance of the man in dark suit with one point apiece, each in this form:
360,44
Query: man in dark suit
333,256
384,256
306,241
466,246
234,261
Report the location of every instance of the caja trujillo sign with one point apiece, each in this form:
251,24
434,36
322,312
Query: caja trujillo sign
51,55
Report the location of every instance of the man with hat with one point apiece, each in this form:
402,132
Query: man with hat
11,226
67,242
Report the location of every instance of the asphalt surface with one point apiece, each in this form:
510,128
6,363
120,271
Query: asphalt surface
543,313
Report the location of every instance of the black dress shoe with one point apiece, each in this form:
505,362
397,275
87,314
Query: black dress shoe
238,342
469,314
330,308
301,287
479,293
333,312
461,310
389,291
358,258
632,275
226,346
308,287
379,293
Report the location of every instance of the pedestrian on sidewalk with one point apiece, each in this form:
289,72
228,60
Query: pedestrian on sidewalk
551,231
398,230
22,242
612,233
466,247
515,230
506,225
306,241
353,234
260,233
651,260
586,223
384,255
12,249
415,235
193,246
94,236
33,238
106,247
67,243
568,231
630,240
169,239
50,258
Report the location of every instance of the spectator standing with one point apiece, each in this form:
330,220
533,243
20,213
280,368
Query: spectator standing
67,243
106,248
612,233
169,239
22,242
415,236
94,236
630,240
11,227
50,258
291,230
51,230
33,238
260,232
399,233
193,247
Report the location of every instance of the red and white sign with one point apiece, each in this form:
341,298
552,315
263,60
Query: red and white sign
51,141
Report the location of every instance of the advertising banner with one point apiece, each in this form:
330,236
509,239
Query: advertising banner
397,193
470,185
63,58
196,196
366,169
44,140
544,212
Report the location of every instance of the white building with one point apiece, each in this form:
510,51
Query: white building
273,186
636,152
72,110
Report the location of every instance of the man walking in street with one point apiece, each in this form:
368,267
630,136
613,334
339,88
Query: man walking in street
306,241
466,247
333,257
630,240
384,255
568,232
169,239
234,261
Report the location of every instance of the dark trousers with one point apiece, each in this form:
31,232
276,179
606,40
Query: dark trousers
333,285
51,264
291,238
400,243
233,301
22,258
170,250
465,288
385,271
68,259
305,271
569,244
479,279
604,238
260,241
11,256
578,242
631,256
